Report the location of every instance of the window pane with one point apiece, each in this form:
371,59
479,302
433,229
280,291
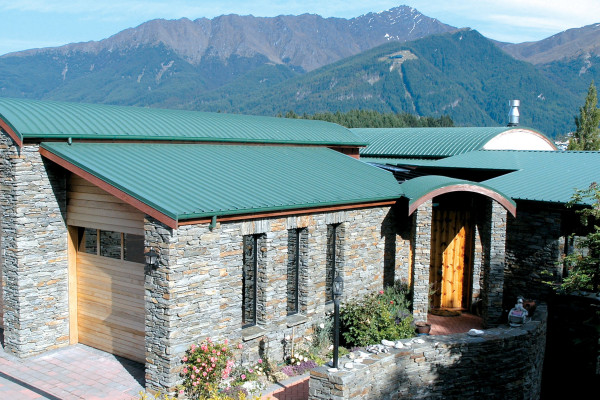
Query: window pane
110,244
133,248
297,253
249,280
88,240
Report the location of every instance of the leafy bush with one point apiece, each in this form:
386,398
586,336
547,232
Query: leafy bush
584,263
383,315
205,366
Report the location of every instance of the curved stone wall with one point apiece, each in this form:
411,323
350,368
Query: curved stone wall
504,362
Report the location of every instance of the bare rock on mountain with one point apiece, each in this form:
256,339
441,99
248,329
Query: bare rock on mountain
572,43
308,41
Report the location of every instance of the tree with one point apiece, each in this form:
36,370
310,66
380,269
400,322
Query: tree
584,263
587,135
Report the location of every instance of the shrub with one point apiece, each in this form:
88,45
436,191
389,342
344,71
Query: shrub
299,368
205,366
383,315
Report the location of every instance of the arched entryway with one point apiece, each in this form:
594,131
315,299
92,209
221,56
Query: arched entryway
450,216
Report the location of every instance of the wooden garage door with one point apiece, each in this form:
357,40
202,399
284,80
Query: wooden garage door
110,305
108,270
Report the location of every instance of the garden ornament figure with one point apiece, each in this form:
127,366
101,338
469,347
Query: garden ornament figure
518,315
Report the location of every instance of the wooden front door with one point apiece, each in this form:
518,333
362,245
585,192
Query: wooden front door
451,258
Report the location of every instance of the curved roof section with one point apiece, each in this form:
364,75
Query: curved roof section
549,176
51,119
419,190
438,142
183,181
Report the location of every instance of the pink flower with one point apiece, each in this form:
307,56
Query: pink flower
250,370
181,392
184,359
240,346
214,365
204,373
198,360
193,376
226,341
218,353
185,370
193,347
391,302
209,340
381,292
194,383
243,376
260,360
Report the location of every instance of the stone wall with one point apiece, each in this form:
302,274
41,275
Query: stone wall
197,290
502,363
493,242
532,249
34,243
421,260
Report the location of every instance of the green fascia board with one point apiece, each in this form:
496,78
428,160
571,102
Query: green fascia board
189,181
416,188
545,176
62,120
427,142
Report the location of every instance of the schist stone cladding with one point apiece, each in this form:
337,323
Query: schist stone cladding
197,291
34,248
533,251
502,363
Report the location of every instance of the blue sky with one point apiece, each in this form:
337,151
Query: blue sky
43,23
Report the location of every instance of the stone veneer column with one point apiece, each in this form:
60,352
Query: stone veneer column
164,346
34,242
421,260
494,251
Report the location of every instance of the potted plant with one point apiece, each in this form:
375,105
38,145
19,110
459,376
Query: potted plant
423,327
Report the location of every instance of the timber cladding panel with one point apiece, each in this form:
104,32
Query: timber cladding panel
110,305
108,297
91,207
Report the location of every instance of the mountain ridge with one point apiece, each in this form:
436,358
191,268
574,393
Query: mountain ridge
284,39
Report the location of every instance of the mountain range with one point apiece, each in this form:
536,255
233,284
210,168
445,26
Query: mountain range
396,60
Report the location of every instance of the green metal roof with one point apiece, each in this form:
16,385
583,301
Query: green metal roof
51,119
417,188
413,162
549,176
426,142
188,181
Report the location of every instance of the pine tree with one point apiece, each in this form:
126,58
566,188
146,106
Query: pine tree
587,135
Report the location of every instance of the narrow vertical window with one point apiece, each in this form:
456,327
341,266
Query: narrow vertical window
297,243
332,259
249,280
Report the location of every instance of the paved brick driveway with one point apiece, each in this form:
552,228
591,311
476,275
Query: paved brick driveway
74,372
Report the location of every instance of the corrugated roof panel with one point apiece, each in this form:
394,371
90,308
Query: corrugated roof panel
417,162
51,119
186,181
550,176
426,142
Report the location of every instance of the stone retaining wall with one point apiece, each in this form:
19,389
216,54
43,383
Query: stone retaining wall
504,362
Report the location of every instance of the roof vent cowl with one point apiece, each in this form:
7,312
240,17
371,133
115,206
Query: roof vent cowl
513,113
